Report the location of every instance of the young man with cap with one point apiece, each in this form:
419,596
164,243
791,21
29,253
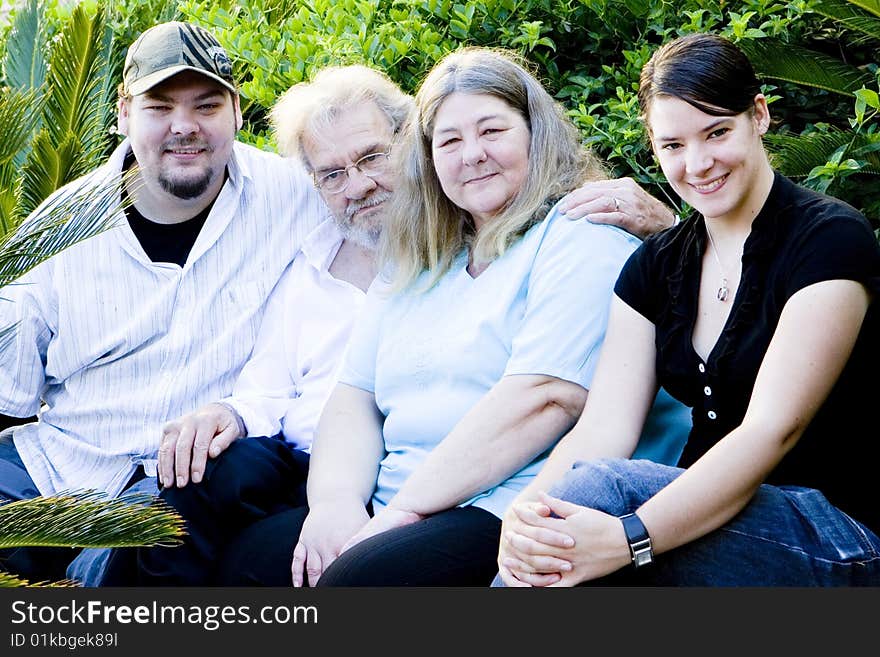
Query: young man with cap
156,316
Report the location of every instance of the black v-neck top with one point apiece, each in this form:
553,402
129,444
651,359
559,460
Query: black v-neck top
799,238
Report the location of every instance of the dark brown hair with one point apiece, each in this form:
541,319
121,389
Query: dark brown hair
706,71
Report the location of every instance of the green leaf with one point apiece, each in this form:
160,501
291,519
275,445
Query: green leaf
797,156
89,519
24,66
869,97
19,114
60,223
859,15
793,63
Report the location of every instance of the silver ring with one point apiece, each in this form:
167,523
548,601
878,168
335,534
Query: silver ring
616,204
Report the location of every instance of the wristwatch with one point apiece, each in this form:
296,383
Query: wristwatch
638,539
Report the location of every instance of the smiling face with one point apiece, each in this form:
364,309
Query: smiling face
480,147
717,164
358,131
182,133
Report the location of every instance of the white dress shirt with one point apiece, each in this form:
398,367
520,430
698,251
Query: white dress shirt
310,314
113,345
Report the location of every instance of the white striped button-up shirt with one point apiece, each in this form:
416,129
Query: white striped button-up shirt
109,345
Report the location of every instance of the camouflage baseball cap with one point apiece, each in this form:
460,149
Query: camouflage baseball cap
171,48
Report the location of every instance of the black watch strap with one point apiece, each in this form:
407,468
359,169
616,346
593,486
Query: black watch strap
639,541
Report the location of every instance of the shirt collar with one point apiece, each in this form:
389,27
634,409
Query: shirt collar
765,227
322,244
691,240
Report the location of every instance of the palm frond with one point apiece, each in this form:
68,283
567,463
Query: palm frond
872,6
45,168
19,114
8,580
7,333
73,139
853,15
10,190
89,519
786,61
87,210
24,66
75,105
796,155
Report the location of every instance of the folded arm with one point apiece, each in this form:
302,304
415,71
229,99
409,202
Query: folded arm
520,417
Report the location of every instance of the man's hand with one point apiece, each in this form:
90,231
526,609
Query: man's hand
621,202
188,441
325,530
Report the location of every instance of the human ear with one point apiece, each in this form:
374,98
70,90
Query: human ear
122,118
239,121
761,114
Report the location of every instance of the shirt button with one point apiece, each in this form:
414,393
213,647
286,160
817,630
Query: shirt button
701,367
707,390
711,415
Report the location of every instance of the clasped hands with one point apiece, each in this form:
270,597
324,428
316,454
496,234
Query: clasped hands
550,542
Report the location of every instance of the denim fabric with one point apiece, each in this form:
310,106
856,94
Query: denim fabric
90,565
15,482
785,536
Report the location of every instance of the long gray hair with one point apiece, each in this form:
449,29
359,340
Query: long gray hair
426,230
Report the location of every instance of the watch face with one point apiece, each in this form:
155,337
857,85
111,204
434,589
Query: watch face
643,557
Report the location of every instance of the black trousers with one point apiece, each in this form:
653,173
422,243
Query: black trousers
254,479
457,547
244,519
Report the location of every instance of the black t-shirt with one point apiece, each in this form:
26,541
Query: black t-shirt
799,238
164,242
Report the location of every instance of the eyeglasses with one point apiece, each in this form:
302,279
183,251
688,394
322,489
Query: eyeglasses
370,165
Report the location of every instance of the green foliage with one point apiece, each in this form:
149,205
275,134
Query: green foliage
24,66
75,111
819,57
86,519
89,519
60,92
59,224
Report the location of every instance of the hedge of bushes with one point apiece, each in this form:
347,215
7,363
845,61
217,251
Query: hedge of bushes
819,59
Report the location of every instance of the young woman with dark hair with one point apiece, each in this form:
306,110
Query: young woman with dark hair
760,313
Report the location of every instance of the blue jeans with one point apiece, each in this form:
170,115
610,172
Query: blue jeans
89,565
785,536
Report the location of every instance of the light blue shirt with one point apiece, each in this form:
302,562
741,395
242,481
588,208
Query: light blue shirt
541,308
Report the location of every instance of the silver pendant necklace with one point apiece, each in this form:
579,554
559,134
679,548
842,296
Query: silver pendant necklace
723,290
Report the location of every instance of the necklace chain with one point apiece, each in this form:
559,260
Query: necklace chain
723,289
